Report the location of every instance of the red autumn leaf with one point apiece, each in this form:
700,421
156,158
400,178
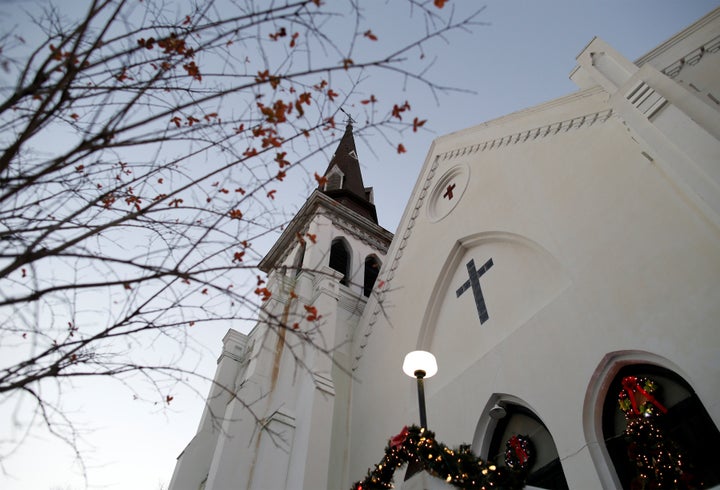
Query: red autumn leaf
417,124
250,152
368,34
401,148
75,116
312,313
260,280
192,324
312,237
264,292
168,399
205,291
281,175
396,110
332,94
238,256
282,32
371,100
280,159
271,194
347,62
235,214
294,38
24,272
177,121
293,295
440,3
210,116
321,180
160,180
240,190
79,168
192,69
187,20
317,2
295,326
127,285
304,98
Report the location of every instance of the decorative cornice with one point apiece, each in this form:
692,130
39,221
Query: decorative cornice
692,58
318,203
530,134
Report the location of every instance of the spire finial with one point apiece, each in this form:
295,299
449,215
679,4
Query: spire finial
349,121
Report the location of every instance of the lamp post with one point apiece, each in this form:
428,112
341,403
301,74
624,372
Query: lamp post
420,364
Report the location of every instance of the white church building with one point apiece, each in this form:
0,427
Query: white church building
544,258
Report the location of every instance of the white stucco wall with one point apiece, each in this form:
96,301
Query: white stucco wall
597,249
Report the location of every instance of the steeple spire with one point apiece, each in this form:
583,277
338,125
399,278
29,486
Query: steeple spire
344,182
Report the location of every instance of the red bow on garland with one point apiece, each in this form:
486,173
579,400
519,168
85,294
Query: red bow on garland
632,385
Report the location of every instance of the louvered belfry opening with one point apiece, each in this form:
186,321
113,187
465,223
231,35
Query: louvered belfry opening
340,259
372,269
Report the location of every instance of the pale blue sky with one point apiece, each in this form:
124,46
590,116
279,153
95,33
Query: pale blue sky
522,58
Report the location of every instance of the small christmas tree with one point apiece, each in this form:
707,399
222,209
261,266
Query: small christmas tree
660,463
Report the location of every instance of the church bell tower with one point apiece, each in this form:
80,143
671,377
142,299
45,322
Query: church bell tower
277,416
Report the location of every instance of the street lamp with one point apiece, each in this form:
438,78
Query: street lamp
420,364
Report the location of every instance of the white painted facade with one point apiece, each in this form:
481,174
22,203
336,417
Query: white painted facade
601,214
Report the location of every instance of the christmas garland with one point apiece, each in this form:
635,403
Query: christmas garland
458,467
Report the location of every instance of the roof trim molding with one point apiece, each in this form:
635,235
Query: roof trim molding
354,224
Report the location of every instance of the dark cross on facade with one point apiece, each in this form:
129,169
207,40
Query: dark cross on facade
449,191
474,282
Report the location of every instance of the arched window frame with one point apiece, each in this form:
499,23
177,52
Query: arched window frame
489,430
336,262
598,396
371,271
299,258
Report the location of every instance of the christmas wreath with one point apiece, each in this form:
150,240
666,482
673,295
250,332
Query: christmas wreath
519,453
458,467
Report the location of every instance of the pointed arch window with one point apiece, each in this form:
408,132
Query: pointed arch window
340,259
520,424
685,426
372,269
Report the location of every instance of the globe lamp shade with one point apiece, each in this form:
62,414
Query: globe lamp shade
420,363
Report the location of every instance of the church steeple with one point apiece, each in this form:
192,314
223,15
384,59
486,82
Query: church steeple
344,181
